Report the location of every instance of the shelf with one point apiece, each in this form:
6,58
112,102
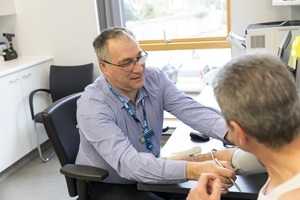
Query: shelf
286,2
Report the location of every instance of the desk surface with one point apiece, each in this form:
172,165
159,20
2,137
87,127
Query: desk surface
180,140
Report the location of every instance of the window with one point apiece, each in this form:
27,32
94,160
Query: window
178,24
184,38
177,34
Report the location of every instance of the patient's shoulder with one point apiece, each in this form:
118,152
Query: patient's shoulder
291,195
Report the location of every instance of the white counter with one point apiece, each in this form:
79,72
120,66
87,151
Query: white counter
23,62
18,78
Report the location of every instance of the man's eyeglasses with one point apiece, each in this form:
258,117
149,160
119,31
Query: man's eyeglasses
128,67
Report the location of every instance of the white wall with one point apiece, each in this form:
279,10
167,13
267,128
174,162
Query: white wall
244,12
66,29
63,29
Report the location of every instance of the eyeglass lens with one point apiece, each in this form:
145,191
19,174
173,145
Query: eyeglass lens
131,65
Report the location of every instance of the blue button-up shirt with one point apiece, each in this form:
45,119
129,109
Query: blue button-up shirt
109,136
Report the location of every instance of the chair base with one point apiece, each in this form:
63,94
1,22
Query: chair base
47,158
38,145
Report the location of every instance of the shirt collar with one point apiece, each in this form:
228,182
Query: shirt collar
140,95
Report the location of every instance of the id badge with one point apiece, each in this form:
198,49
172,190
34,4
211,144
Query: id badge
143,138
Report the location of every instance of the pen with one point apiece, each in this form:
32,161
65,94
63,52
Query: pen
218,163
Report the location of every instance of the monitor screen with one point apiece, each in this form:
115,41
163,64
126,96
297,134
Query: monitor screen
285,48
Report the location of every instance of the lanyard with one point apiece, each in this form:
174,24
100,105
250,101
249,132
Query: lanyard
147,133
129,110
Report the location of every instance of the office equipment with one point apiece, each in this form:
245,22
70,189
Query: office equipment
9,53
284,51
296,50
63,81
285,48
198,137
61,127
236,40
2,47
286,54
297,72
268,36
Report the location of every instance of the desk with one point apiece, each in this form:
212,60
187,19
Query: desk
180,140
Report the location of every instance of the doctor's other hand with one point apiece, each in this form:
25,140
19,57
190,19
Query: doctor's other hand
207,188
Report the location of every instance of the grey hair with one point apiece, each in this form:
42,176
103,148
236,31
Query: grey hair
258,92
100,44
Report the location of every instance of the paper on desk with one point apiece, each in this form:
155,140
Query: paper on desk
184,154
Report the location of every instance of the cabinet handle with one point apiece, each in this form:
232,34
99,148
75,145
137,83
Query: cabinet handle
13,81
25,76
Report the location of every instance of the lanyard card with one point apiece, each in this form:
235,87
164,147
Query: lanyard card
146,135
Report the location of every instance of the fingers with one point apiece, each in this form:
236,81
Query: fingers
225,173
216,188
206,178
207,188
194,169
226,165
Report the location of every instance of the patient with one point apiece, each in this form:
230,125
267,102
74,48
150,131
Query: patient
259,101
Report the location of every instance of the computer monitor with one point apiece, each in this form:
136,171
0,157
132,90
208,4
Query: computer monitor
284,50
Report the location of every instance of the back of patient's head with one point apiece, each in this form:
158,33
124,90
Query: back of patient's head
258,92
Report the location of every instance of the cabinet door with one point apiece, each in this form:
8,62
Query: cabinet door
15,140
32,78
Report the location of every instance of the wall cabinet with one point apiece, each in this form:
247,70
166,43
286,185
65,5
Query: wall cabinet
7,7
33,78
17,128
14,134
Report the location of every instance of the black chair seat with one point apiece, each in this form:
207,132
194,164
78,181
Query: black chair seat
60,124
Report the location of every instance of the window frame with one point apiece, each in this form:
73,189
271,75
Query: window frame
109,13
190,43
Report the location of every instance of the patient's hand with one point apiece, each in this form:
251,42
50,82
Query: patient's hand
207,188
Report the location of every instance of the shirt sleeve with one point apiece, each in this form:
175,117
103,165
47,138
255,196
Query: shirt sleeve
99,123
204,119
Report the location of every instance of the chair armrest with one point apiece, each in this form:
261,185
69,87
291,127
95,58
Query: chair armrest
31,99
83,172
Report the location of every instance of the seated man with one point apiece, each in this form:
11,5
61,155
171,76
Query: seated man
120,119
260,103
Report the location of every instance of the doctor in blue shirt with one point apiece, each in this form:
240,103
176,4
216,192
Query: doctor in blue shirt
120,120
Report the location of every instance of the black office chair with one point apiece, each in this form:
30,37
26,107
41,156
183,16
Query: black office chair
61,127
63,81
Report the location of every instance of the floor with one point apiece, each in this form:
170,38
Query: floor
33,179
36,180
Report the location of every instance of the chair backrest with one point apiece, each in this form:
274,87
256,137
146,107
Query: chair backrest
61,127
66,80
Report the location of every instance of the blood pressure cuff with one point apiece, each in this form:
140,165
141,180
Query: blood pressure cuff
246,163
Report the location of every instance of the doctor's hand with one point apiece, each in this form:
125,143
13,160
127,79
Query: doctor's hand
207,188
195,169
